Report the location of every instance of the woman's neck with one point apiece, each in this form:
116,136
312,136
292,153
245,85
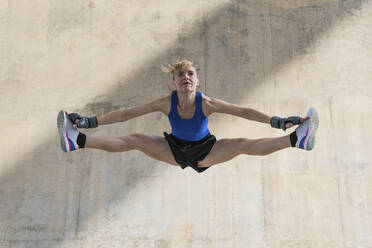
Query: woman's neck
186,100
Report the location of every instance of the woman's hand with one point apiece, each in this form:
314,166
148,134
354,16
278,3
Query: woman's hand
284,123
76,121
79,121
290,124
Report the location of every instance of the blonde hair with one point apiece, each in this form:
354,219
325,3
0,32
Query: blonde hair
170,69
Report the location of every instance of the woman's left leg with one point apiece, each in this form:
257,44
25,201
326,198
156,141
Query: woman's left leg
226,149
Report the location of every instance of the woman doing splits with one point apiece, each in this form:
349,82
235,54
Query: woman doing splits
190,143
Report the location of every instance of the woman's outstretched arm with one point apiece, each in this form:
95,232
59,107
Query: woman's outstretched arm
121,115
213,105
127,114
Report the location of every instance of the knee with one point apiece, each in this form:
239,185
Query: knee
259,147
251,147
135,141
240,144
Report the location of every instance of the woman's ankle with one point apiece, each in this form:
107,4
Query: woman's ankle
81,139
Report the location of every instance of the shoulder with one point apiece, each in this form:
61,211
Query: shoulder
213,105
208,105
163,104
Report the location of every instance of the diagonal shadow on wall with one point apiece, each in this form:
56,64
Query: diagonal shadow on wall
249,38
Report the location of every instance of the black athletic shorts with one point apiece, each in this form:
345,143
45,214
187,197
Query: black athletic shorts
189,153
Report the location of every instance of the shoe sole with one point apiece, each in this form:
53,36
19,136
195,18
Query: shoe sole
61,125
314,123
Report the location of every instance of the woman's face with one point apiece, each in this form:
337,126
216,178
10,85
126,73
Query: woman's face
185,79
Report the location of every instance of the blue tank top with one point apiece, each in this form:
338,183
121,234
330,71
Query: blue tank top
193,129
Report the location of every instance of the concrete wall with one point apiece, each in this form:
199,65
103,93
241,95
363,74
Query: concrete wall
280,57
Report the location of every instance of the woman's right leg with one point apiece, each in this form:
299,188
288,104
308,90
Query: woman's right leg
154,146
71,139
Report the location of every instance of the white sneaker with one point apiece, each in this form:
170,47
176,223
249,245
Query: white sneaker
306,131
68,133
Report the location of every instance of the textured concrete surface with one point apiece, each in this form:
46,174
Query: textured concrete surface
278,56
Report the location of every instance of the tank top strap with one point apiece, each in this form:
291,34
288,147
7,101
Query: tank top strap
199,102
174,101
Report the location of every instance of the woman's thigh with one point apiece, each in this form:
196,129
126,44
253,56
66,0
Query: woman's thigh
154,146
223,150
